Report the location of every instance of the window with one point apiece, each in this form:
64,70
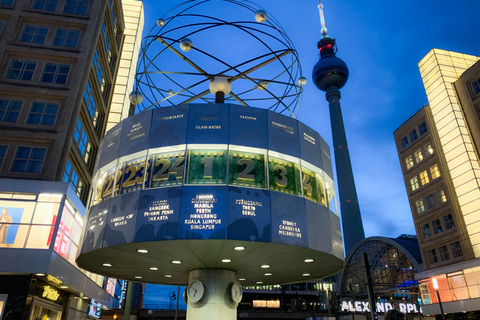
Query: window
442,196
413,135
9,110
424,177
3,151
47,5
420,206
82,141
435,171
89,99
422,128
2,23
414,183
21,70
444,253
66,38
6,2
432,256
43,113
418,156
71,177
437,227
426,230
55,73
476,86
404,142
104,28
34,34
429,148
28,159
76,7
409,162
430,201
456,249
448,221
98,70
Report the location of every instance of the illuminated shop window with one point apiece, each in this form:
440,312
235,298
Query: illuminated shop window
456,249
424,177
43,113
448,221
471,278
34,34
10,110
413,135
432,256
414,183
426,230
429,148
76,7
55,73
437,226
69,233
444,255
3,151
409,162
418,156
435,172
442,195
404,142
47,5
430,201
66,38
28,159
422,128
21,70
420,206
476,86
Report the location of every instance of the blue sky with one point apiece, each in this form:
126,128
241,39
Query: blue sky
381,42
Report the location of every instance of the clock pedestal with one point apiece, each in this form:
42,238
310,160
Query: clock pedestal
216,302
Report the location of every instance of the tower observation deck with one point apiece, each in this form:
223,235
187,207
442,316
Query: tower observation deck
330,74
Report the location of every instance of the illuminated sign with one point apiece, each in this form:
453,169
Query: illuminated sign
53,279
266,303
364,306
50,293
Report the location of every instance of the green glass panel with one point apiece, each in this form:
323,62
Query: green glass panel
247,169
207,167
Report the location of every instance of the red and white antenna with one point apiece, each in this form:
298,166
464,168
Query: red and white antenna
322,18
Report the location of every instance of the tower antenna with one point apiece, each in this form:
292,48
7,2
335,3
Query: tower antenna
322,18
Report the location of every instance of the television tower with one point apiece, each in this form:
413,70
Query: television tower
330,74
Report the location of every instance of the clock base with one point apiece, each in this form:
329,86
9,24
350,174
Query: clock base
216,303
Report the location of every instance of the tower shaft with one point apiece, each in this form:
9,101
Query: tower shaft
352,224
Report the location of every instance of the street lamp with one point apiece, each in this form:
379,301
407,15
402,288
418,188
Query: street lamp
435,286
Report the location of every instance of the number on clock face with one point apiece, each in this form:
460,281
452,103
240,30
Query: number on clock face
284,176
247,169
167,169
310,185
207,166
134,173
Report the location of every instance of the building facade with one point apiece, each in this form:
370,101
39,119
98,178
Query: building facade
438,154
60,60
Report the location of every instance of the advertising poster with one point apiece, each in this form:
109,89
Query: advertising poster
283,134
203,213
248,127
95,309
158,214
8,227
95,230
169,126
310,145
208,123
248,214
135,133
120,224
110,146
288,220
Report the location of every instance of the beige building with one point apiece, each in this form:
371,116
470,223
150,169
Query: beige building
438,153
59,64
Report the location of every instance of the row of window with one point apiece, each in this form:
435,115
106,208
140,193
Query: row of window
422,129
40,113
71,177
425,177
456,251
476,86
437,226
418,157
26,159
430,201
38,34
70,6
24,70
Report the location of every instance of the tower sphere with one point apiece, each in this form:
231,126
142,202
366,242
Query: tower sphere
330,71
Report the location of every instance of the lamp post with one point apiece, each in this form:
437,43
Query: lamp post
435,286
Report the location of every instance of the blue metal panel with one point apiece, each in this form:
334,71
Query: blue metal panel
283,134
248,127
208,124
135,133
169,126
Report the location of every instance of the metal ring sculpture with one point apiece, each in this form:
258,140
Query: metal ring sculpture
186,49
